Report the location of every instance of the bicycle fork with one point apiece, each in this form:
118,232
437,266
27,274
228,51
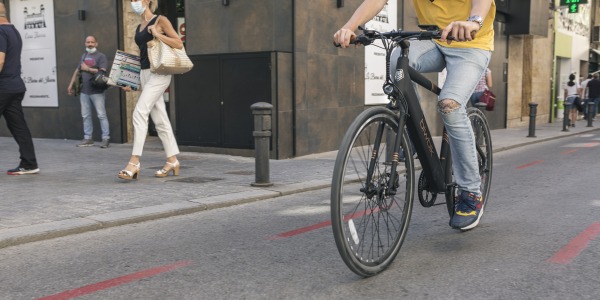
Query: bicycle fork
391,158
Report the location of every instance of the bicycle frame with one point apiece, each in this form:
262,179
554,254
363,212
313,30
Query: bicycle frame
416,125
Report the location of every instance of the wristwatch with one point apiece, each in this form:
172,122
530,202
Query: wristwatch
476,19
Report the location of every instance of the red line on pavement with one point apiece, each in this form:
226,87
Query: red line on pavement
306,229
576,246
92,288
593,144
530,164
569,151
300,230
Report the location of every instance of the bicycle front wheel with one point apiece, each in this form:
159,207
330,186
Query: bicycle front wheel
370,208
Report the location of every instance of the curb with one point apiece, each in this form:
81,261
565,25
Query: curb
539,140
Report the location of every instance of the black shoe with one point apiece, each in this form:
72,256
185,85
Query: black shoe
22,171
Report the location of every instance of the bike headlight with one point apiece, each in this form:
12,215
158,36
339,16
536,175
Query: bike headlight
388,89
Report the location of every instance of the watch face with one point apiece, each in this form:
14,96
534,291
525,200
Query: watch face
477,19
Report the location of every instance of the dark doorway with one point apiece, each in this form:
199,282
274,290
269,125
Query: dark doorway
214,98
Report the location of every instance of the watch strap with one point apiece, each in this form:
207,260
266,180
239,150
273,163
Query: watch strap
476,19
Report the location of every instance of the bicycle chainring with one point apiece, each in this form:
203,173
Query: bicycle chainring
426,198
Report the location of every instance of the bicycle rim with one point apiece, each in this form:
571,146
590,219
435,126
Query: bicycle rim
451,192
483,144
370,223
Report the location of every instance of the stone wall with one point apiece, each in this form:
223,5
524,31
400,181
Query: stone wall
130,22
530,65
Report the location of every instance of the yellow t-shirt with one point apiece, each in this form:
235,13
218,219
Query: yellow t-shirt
442,12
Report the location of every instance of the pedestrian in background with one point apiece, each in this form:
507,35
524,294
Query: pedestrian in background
485,83
12,92
572,92
584,93
91,62
150,102
593,90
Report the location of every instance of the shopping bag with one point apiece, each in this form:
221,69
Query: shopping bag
125,71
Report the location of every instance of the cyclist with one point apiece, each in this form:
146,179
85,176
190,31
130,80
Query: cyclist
465,57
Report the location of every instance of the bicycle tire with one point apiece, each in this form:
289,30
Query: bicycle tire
451,188
485,158
370,245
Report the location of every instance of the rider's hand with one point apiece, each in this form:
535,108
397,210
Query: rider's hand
126,88
460,30
343,37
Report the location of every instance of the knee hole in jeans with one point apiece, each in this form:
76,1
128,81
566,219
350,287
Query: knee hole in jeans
447,106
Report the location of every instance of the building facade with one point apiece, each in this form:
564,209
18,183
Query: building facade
280,52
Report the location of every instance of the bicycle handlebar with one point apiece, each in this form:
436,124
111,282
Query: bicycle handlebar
369,36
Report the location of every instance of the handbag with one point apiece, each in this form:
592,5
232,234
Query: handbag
99,80
489,99
165,60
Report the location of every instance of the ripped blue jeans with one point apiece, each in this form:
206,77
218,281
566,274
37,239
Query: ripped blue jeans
464,67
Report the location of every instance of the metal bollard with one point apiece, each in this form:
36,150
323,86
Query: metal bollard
566,117
262,135
590,114
532,114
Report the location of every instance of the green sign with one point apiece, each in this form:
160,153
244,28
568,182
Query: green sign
573,8
569,2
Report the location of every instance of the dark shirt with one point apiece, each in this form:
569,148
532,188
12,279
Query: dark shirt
141,39
96,60
11,44
593,88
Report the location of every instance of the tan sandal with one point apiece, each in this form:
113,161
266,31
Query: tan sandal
165,172
129,175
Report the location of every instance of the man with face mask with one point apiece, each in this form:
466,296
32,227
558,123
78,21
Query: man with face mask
92,62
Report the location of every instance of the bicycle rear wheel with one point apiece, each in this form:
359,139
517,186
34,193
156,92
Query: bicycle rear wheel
483,146
369,213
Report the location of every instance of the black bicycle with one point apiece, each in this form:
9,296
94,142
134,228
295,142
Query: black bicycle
372,189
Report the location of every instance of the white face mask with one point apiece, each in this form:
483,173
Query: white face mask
138,7
92,50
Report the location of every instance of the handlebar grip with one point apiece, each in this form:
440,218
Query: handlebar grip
353,41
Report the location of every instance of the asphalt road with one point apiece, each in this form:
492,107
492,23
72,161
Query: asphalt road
539,239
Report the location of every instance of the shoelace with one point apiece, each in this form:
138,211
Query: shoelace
467,203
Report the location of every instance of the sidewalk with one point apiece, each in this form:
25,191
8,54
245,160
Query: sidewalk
77,189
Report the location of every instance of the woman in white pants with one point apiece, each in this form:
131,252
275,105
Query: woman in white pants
153,86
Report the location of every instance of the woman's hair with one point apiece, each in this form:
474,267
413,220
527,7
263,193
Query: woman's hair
153,5
571,80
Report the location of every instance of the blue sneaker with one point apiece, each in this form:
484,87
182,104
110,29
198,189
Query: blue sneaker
467,211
